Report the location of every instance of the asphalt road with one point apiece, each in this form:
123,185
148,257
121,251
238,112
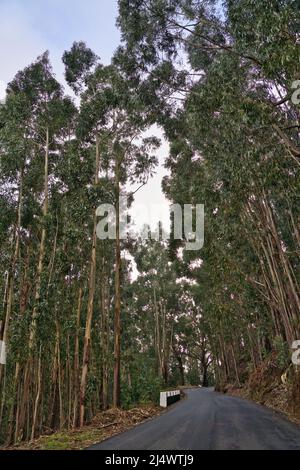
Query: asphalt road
209,420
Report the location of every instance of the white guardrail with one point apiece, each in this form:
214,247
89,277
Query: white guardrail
2,353
167,398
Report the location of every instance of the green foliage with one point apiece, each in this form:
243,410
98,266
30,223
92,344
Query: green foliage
283,353
78,62
234,148
144,386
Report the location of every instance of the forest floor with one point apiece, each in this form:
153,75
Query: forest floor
105,425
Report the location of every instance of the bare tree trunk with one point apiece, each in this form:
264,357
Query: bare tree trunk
53,395
181,368
23,402
235,366
89,317
59,371
37,398
25,283
69,383
11,274
157,332
13,408
52,260
105,339
117,322
42,248
76,360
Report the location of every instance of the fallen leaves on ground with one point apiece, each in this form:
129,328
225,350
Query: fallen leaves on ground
105,425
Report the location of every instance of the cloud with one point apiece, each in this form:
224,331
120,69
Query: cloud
2,90
28,28
20,44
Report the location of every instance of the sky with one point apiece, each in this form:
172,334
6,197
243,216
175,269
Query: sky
30,27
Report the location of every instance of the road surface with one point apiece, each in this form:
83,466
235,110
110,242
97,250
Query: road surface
209,420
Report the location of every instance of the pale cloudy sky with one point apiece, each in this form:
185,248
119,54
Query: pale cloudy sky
29,27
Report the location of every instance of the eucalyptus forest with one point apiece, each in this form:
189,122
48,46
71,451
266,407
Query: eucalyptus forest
80,331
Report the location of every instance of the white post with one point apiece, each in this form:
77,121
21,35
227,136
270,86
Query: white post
2,353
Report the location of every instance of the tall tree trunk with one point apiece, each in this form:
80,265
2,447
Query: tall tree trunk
157,333
105,337
181,368
29,366
117,322
42,248
59,382
76,361
38,394
89,317
13,408
11,275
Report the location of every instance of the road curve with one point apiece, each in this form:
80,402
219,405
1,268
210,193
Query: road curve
207,420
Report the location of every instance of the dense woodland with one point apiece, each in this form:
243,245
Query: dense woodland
81,332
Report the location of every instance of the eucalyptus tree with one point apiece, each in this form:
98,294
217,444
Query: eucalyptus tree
14,144
50,112
234,135
34,121
167,323
110,113
127,159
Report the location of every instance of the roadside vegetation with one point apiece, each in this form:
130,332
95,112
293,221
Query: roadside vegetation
103,426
